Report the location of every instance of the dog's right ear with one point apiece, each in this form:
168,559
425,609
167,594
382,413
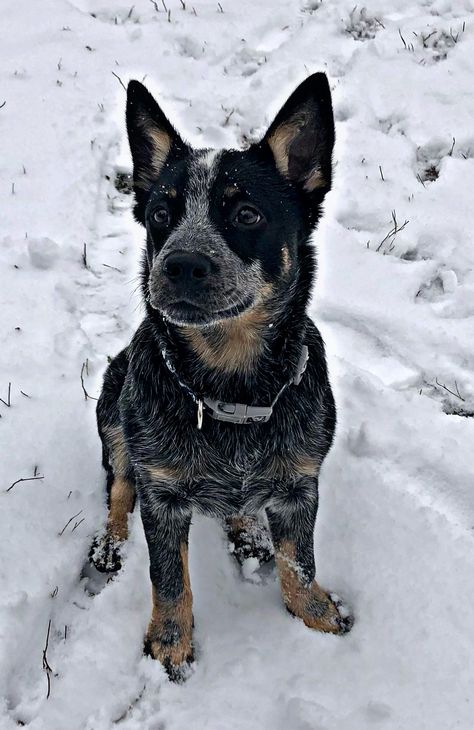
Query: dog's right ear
150,135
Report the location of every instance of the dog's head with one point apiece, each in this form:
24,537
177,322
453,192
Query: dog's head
224,228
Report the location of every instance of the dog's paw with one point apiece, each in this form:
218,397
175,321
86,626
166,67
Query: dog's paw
105,554
176,658
322,611
346,618
249,539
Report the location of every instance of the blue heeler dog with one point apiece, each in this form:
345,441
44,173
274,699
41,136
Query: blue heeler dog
222,402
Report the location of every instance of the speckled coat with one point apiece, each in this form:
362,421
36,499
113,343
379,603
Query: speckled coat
227,274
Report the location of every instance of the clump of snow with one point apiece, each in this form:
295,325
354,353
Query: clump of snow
43,252
395,529
249,569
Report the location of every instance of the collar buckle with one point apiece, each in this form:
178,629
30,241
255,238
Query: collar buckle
237,412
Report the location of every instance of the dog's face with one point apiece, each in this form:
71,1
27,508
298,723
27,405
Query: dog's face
224,227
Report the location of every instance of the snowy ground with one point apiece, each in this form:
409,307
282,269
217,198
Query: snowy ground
395,530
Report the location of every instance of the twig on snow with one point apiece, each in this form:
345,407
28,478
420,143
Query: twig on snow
7,402
46,665
85,365
120,80
228,115
456,394
393,231
24,479
420,179
69,522
76,524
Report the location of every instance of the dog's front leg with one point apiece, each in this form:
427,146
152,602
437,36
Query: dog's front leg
169,635
292,516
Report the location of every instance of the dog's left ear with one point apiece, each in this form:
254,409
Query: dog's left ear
301,137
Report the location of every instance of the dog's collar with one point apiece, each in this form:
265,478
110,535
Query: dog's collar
239,413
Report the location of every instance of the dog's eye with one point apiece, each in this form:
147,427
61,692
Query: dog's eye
161,216
247,216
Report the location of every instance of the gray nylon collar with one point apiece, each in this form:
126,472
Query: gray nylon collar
238,413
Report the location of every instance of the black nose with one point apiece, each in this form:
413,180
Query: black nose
186,267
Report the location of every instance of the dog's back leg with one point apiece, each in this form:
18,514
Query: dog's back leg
248,537
105,551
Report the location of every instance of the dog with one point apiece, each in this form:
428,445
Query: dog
221,403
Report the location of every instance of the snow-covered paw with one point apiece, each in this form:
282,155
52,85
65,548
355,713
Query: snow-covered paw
249,540
346,618
105,554
320,610
171,648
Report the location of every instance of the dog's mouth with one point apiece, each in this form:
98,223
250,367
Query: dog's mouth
186,313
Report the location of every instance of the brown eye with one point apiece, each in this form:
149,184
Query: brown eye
161,216
247,216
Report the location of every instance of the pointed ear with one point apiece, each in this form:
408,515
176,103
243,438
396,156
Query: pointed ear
150,134
301,137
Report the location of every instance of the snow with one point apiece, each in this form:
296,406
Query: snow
395,529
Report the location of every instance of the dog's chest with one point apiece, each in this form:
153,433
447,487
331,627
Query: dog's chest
217,467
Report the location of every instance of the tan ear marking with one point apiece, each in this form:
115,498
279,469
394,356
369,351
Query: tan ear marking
160,142
280,142
161,146
281,139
